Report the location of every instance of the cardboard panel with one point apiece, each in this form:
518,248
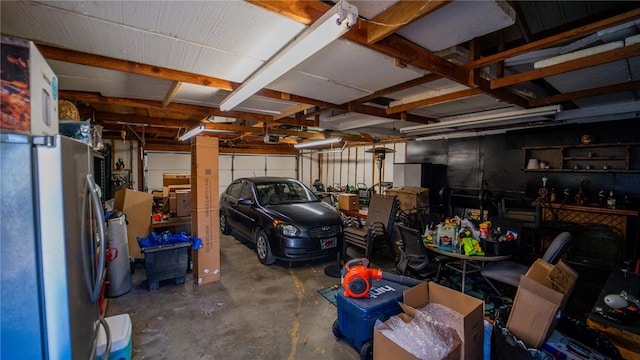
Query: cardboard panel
542,291
137,206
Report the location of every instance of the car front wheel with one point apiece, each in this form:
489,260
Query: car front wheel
263,249
224,226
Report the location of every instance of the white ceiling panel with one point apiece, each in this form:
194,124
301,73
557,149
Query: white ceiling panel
460,107
369,9
263,105
619,97
109,82
420,89
595,76
336,62
150,47
307,85
196,95
230,26
458,22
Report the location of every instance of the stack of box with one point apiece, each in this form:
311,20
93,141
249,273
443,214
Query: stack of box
205,209
176,194
410,197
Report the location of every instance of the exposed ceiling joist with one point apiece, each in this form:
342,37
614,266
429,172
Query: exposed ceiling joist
581,63
292,110
157,105
434,100
173,90
557,39
392,45
398,16
611,89
405,85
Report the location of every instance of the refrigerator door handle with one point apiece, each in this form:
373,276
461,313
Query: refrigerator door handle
97,209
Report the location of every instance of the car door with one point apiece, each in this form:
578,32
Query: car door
229,204
245,213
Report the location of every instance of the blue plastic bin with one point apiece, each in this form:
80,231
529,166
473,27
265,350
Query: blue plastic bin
356,316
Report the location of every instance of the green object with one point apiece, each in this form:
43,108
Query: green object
471,246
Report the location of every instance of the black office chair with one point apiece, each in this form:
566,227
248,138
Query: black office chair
509,272
414,260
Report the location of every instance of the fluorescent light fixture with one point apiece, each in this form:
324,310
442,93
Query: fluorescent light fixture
317,143
480,119
465,134
333,24
201,129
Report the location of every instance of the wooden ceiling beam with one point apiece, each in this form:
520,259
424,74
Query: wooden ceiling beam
567,66
399,87
393,45
157,105
132,120
398,16
558,38
173,90
292,110
582,94
159,145
276,131
104,62
434,100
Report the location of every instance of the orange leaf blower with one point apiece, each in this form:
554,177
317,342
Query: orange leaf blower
355,278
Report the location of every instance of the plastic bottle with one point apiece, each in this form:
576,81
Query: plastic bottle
611,201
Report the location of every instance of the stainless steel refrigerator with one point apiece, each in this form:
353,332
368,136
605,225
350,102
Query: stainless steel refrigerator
52,248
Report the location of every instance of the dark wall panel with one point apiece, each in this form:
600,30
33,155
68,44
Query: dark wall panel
499,160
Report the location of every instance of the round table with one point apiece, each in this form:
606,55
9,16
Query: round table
462,267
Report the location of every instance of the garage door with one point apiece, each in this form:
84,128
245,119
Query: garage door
231,167
158,163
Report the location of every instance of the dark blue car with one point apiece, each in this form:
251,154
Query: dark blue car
282,217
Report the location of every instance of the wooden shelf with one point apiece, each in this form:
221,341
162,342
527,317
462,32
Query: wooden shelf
619,157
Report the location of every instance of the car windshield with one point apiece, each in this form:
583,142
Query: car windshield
284,192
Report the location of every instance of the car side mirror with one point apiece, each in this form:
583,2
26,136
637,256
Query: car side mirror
245,201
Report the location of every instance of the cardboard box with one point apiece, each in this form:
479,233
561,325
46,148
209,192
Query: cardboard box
173,203
384,348
137,206
542,291
349,202
183,203
204,209
411,197
29,90
471,328
176,179
167,190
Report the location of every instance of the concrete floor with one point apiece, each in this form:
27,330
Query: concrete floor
254,312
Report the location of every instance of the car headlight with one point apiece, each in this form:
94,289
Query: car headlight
286,229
